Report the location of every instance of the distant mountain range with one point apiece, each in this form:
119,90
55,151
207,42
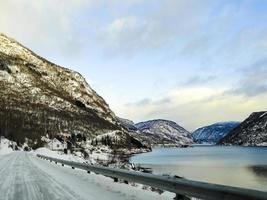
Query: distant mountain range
213,133
251,132
159,132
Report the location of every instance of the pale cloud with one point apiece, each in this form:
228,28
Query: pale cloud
47,23
253,81
194,107
183,29
162,25
130,35
195,103
125,34
147,102
200,80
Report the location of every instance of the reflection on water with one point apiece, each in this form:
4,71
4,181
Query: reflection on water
235,166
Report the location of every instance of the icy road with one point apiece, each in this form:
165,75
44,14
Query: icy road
23,176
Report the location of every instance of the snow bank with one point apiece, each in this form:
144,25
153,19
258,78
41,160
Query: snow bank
58,154
263,144
62,181
103,181
4,147
101,153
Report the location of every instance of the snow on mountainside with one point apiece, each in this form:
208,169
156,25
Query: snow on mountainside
213,133
58,154
164,132
117,139
128,124
38,98
251,132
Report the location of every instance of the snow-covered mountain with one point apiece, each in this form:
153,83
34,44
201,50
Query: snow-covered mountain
38,98
214,132
163,132
128,124
251,132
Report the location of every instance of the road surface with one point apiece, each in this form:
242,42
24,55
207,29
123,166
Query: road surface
23,176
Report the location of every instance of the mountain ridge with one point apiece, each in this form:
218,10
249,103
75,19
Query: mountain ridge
161,132
251,132
214,132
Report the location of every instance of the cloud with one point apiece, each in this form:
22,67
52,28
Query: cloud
195,107
197,102
147,101
115,27
253,81
127,35
182,29
131,35
163,24
44,25
199,80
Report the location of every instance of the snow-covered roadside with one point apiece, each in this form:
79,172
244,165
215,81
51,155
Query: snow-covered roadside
100,154
104,181
98,182
58,154
5,147
27,177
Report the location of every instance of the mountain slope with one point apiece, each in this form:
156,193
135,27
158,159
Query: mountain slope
251,132
38,97
128,124
214,132
163,132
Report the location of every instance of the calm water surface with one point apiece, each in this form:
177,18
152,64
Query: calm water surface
235,166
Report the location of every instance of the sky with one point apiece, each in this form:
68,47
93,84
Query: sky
195,62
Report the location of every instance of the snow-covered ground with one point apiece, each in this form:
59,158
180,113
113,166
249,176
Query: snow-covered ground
27,177
58,154
5,147
94,156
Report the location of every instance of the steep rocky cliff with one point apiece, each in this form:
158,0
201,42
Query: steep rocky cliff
38,97
251,132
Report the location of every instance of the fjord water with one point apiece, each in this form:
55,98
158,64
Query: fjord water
228,165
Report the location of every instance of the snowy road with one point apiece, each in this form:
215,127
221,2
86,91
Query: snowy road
23,176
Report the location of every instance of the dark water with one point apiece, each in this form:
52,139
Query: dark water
235,166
